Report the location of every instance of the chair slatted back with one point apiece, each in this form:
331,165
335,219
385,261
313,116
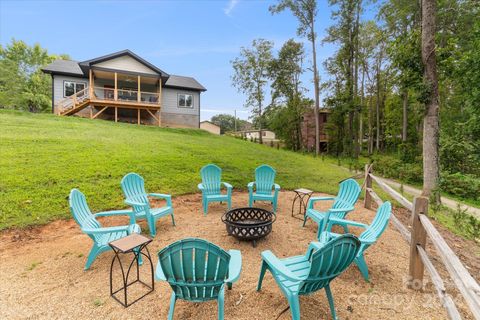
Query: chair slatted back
348,194
379,223
133,187
211,179
195,268
81,212
264,179
329,262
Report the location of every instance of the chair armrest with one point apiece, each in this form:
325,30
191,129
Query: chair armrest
200,186
250,185
276,187
105,230
167,197
340,210
278,266
135,203
113,213
235,265
159,275
336,220
312,200
227,185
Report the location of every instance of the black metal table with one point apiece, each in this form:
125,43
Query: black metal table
137,245
302,196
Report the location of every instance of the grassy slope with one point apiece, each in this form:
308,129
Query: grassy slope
42,157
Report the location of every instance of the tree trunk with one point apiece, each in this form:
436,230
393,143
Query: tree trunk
405,116
370,126
430,122
377,111
317,91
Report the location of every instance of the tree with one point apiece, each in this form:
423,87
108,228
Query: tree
22,84
431,127
226,122
306,13
251,75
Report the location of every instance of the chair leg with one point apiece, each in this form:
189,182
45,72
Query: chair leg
221,303
330,302
274,203
362,265
294,302
151,226
229,203
205,207
173,219
94,252
173,299
262,274
140,260
250,201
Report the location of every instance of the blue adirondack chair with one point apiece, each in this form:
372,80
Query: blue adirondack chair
211,187
197,271
265,187
343,203
101,236
133,188
302,275
368,237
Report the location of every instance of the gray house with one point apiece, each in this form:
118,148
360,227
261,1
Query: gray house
124,87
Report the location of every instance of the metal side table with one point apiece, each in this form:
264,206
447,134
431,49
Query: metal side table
137,245
302,195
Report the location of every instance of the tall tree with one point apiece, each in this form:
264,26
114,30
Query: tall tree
306,13
431,127
251,75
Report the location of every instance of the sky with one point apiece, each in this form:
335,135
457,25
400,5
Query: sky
192,38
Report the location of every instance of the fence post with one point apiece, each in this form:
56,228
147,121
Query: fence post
368,185
418,237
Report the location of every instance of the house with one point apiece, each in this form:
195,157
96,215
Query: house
124,87
308,129
254,134
210,127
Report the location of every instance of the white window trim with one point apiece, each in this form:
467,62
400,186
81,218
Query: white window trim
185,94
75,87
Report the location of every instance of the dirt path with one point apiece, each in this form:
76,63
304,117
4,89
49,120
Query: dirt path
42,277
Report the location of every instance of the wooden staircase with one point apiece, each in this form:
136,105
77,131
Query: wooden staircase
74,103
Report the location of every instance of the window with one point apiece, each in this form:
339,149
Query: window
185,101
72,87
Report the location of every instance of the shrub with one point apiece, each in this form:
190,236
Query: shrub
462,185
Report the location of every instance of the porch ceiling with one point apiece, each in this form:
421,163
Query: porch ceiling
124,77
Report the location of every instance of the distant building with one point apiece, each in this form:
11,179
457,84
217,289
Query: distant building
210,127
308,129
267,135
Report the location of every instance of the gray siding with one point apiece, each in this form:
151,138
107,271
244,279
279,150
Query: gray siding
173,115
58,86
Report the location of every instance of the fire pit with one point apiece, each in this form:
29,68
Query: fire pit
249,223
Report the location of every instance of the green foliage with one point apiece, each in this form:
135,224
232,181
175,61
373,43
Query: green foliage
226,122
44,156
393,167
462,185
23,85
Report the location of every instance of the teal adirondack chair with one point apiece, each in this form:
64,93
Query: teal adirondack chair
368,237
101,236
197,271
211,187
264,185
302,275
343,203
133,187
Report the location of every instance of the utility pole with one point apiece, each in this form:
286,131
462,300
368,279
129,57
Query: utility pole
235,119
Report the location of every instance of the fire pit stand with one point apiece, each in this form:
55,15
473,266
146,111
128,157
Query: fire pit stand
248,223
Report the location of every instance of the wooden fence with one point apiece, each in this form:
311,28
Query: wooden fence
422,228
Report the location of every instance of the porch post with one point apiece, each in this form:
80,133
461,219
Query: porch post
115,92
116,114
139,94
159,101
138,116
90,89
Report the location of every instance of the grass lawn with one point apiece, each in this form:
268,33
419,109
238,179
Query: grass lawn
43,156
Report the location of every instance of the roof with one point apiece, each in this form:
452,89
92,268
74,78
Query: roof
80,69
184,82
206,121
67,67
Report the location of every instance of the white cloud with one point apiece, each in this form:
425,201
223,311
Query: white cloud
229,8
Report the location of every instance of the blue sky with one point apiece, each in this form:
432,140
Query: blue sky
192,38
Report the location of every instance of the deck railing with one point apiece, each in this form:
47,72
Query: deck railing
72,101
419,258
129,95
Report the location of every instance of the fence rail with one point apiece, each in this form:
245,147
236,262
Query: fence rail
422,230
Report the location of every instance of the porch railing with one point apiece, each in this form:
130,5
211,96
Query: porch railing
109,94
71,102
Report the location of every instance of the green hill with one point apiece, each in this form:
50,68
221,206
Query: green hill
43,156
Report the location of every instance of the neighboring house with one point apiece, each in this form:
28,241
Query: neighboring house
308,129
210,127
122,86
267,135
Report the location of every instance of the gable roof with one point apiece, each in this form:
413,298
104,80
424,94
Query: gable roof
88,63
175,81
80,69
